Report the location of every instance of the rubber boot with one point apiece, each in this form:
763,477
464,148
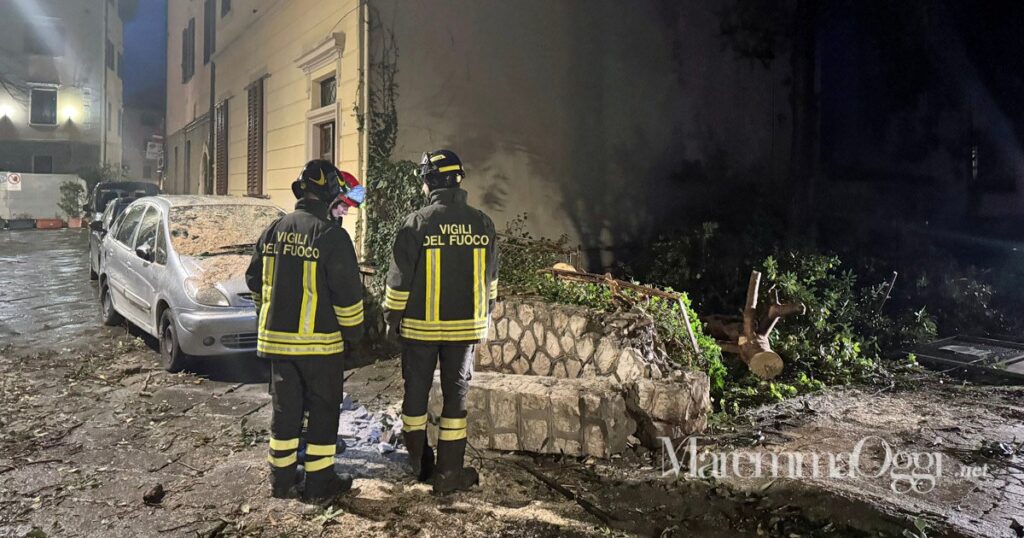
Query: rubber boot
450,476
421,456
325,485
284,482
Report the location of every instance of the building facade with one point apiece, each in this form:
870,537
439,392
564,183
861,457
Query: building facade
594,117
61,99
143,142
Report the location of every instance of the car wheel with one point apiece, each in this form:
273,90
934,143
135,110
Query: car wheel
92,270
173,357
107,313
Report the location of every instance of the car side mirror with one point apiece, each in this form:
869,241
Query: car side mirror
96,226
85,208
145,252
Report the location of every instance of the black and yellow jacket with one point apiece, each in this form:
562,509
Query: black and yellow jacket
306,286
444,272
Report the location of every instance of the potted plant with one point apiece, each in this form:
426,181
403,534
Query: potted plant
72,196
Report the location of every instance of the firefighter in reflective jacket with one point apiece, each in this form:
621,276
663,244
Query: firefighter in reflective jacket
306,285
441,287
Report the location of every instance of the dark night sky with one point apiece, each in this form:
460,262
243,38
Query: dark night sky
145,55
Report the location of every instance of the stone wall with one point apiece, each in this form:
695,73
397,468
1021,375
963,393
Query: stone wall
566,379
531,337
545,414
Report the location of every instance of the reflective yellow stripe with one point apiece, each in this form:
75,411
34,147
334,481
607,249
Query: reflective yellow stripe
454,324
395,294
319,464
350,322
349,316
348,311
283,462
451,435
298,349
307,313
321,450
284,444
411,424
477,292
449,168
268,286
443,336
315,338
494,289
436,158
392,304
433,306
453,423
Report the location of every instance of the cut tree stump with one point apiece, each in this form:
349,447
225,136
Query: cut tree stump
749,337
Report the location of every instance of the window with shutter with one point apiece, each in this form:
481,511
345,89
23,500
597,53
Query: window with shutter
221,155
255,142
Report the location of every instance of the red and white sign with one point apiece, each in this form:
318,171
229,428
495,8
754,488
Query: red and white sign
10,181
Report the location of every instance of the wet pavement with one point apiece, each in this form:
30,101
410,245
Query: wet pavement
46,298
48,303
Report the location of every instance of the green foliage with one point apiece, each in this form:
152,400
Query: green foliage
72,197
523,256
849,324
671,327
392,186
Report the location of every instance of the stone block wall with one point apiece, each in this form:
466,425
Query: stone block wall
544,414
566,379
531,337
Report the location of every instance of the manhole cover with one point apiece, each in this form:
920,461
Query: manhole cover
987,356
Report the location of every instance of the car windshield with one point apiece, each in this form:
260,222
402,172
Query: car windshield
207,230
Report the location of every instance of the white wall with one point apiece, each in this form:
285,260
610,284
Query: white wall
37,198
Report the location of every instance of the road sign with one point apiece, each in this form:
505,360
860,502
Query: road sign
10,181
154,150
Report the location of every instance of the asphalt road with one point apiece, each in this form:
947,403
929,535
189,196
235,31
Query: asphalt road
48,303
46,299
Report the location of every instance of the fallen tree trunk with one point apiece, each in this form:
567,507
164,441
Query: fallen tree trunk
749,337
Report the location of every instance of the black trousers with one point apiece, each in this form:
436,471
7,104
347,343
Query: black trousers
314,385
418,364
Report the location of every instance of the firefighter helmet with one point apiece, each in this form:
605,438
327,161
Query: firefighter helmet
441,169
321,179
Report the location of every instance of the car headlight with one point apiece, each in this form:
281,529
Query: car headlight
204,294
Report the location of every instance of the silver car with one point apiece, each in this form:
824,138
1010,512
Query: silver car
175,267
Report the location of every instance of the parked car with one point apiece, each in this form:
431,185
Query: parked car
98,230
106,191
175,267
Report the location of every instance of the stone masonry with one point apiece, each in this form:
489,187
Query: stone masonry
531,337
565,379
545,415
